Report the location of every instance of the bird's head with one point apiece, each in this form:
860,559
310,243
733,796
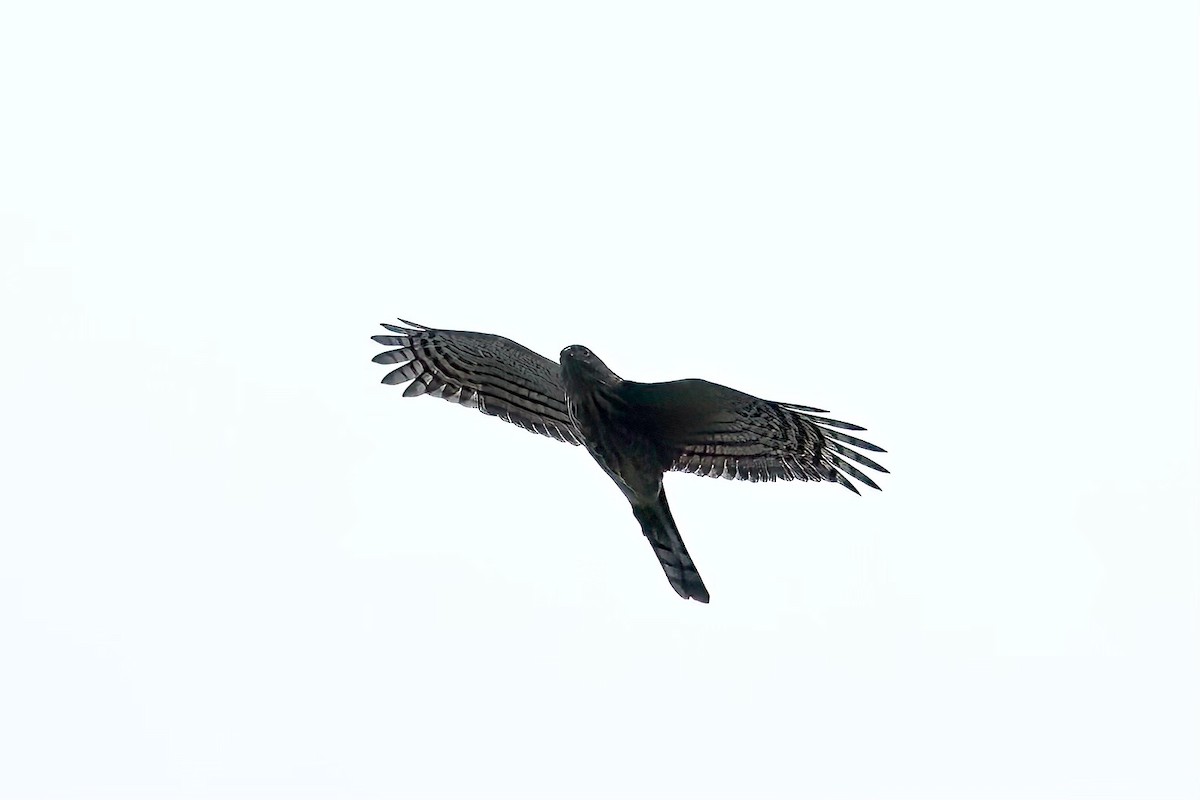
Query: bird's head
582,365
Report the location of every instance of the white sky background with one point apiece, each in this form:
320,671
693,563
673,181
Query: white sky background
234,565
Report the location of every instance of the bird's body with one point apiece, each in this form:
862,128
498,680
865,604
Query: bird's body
635,431
626,443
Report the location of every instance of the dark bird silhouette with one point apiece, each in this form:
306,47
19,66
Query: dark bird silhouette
635,431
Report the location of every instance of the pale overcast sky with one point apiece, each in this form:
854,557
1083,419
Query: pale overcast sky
232,564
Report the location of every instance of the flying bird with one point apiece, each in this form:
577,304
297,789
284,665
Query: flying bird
635,431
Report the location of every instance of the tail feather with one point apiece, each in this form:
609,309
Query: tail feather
659,527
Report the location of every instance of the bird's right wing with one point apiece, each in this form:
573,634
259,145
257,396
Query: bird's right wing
712,430
480,370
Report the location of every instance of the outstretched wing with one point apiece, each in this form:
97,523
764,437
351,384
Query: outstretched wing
718,432
480,370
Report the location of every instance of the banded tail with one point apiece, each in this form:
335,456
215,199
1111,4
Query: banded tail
659,527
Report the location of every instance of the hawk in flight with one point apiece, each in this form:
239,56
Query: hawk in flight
635,431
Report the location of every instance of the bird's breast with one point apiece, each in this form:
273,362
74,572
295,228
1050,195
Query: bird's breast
616,440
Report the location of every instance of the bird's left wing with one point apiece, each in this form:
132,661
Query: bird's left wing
712,430
480,370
